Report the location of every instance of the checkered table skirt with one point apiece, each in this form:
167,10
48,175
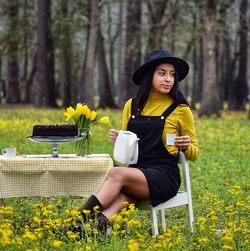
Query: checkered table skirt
46,176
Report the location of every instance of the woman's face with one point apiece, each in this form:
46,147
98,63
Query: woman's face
163,78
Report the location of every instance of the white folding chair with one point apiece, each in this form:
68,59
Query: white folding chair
182,198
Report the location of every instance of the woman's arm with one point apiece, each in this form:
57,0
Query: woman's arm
126,115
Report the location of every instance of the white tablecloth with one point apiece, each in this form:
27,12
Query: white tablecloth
41,175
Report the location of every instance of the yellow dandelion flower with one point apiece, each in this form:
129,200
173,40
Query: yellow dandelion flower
240,204
86,212
202,240
133,245
74,213
233,192
132,207
243,224
88,248
37,220
57,243
232,224
49,207
212,215
29,235
235,187
232,213
227,236
169,232
5,234
227,247
4,210
96,208
72,235
219,202
201,220
95,231
117,217
133,222
229,208
212,228
179,238
18,241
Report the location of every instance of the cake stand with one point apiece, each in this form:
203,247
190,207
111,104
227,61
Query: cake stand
54,141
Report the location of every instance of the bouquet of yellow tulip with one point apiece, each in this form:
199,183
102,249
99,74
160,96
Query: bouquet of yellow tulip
84,118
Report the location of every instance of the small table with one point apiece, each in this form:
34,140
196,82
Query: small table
42,175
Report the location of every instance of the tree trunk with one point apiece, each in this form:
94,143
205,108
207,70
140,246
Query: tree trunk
113,35
25,54
86,92
13,90
29,81
45,89
227,69
240,86
195,62
210,96
121,53
51,85
67,56
105,92
224,52
156,10
1,82
132,52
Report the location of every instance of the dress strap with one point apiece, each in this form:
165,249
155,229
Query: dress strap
169,110
133,107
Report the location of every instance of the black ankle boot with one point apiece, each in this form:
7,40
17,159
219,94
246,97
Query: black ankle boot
98,226
77,225
91,203
102,223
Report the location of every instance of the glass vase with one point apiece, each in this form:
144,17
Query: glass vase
84,146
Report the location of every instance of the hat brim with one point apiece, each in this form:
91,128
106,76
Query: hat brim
181,67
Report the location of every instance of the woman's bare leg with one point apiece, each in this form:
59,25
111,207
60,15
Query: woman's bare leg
118,205
128,180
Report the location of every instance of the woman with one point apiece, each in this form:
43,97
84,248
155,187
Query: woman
158,109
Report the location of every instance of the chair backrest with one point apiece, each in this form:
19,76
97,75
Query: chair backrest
186,177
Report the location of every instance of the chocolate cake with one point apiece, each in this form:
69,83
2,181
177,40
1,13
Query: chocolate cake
55,130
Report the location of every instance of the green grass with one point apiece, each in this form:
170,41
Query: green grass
219,180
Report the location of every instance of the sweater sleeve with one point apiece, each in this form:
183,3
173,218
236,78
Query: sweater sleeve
126,114
186,126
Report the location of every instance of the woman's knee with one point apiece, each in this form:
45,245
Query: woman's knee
115,174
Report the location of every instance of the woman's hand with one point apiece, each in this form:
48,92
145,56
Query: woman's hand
182,142
113,135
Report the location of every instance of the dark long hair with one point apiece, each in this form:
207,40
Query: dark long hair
144,89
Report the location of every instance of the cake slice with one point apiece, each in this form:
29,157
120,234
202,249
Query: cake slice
62,130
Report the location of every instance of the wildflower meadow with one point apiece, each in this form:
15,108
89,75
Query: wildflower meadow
219,180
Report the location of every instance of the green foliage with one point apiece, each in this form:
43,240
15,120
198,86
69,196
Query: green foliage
219,180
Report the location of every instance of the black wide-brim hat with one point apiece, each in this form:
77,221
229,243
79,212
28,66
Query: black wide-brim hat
160,57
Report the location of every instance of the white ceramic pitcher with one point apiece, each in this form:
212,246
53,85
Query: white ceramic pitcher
126,148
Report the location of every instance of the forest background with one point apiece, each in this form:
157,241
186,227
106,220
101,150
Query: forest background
57,53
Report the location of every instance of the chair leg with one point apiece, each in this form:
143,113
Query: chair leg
190,216
163,220
154,222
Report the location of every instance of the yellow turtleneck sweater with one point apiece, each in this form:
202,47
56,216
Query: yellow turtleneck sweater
180,122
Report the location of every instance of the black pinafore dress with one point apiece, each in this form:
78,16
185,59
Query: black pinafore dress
157,164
